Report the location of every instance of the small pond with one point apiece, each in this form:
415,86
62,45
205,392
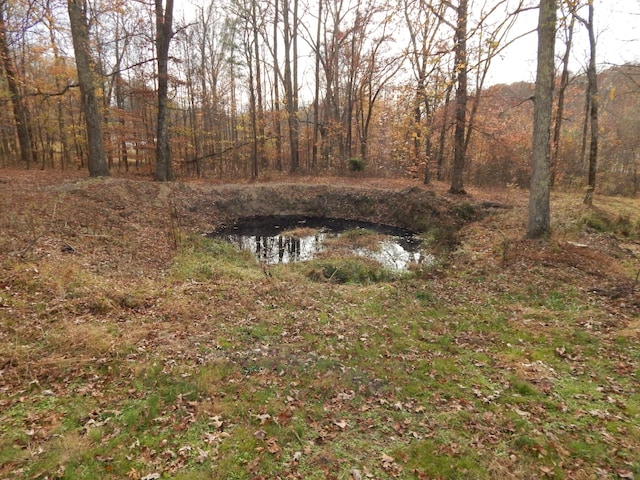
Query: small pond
286,239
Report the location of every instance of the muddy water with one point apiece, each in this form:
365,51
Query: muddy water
266,237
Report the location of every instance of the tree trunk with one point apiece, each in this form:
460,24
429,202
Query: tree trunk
316,96
592,92
276,89
86,77
289,85
564,83
461,100
443,134
253,114
539,212
164,33
260,149
20,112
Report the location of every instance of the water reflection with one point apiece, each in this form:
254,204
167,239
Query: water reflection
267,239
397,255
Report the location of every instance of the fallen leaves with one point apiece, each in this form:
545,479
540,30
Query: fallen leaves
278,377
390,466
341,424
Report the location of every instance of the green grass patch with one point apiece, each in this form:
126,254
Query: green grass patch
348,269
208,259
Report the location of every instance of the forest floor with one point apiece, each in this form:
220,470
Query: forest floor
134,346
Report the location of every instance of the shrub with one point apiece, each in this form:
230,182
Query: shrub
356,165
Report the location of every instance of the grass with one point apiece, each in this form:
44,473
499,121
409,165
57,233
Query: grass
212,367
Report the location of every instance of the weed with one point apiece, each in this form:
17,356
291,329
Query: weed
356,164
607,222
348,270
205,259
464,211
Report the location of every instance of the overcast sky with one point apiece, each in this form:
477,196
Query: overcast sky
618,41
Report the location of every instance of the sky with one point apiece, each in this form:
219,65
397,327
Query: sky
617,29
618,41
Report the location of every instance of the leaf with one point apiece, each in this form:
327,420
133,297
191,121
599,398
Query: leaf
263,417
546,470
342,424
522,413
151,476
202,455
260,434
216,422
355,474
386,459
273,447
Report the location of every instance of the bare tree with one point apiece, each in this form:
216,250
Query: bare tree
426,54
87,80
539,223
569,25
164,34
374,74
593,102
461,66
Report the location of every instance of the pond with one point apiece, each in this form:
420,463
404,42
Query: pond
286,239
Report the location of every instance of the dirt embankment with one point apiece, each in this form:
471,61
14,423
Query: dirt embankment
128,226
414,208
49,213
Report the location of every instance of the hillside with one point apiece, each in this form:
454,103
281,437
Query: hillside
135,347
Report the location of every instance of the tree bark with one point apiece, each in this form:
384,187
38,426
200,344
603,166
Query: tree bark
290,84
539,222
592,92
164,33
86,78
457,171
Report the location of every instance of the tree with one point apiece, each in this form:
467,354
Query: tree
164,33
490,39
375,72
290,20
461,99
425,55
20,111
59,76
539,223
87,80
593,102
564,83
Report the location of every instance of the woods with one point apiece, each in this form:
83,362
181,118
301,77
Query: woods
247,89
